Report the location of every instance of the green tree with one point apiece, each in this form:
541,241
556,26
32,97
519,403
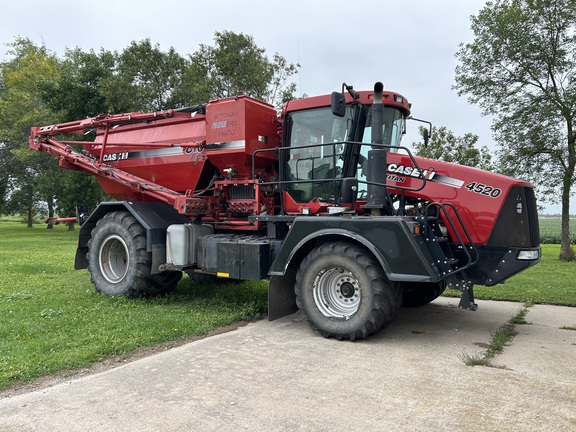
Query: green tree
78,189
21,105
147,76
520,69
4,163
234,65
3,178
23,198
79,90
445,146
140,78
279,89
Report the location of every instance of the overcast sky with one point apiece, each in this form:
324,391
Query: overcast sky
409,45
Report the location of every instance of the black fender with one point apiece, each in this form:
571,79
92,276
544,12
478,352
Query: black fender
155,217
394,241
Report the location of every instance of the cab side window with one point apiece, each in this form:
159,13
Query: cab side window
316,157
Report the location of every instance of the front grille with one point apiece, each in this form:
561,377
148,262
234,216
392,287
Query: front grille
517,224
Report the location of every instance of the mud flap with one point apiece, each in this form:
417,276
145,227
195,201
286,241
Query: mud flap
281,296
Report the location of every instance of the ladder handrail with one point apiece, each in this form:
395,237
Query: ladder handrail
465,247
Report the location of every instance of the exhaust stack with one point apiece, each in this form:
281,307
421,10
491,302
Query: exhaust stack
378,198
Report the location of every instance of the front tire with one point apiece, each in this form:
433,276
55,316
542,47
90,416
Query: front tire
344,293
118,262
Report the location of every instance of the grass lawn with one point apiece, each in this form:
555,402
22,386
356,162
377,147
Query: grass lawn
51,319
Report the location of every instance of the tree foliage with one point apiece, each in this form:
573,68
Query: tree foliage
78,189
520,69
148,76
445,146
22,105
79,91
234,65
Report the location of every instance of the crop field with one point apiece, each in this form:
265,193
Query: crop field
550,229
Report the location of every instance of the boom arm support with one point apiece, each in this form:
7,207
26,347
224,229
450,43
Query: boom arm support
100,121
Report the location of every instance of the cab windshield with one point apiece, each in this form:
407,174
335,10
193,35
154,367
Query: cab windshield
393,127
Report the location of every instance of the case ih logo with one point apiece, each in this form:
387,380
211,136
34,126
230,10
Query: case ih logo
114,157
411,171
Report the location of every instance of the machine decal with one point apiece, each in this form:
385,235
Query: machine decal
482,189
115,157
448,181
155,153
395,178
396,171
411,171
226,145
124,155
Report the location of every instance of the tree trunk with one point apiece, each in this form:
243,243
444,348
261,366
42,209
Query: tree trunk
566,253
30,218
50,224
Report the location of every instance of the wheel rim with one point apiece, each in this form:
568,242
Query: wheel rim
336,293
114,258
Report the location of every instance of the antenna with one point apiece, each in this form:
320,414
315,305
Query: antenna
299,68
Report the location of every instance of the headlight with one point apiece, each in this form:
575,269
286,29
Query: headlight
528,255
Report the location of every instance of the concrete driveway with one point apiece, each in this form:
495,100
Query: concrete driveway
280,376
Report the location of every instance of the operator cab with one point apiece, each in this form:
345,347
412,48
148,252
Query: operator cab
322,147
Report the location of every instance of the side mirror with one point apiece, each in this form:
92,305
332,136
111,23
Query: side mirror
338,104
427,133
426,136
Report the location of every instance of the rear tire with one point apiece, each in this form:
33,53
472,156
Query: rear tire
118,262
344,293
